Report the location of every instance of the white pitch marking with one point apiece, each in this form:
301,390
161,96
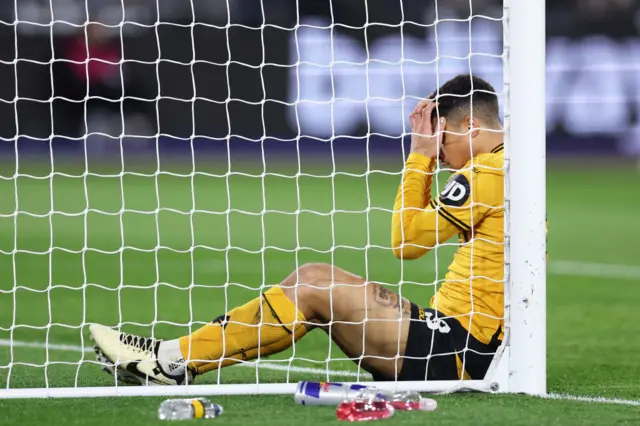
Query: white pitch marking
595,399
595,270
267,365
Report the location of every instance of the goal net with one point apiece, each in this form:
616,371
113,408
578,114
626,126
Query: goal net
170,163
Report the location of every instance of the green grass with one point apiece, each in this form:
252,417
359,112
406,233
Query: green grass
127,262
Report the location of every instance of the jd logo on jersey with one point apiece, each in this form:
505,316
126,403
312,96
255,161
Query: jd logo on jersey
457,191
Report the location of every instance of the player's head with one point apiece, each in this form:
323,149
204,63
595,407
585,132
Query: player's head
470,106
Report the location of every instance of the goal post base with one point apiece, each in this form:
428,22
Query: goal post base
231,389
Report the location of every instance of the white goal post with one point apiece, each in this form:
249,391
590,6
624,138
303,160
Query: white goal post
520,365
525,198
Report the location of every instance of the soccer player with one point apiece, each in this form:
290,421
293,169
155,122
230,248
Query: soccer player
390,336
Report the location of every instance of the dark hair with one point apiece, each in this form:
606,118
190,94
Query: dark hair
456,96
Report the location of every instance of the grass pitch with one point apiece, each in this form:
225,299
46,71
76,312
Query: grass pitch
119,250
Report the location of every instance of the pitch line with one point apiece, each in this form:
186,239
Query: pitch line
594,399
571,268
267,365
593,270
277,367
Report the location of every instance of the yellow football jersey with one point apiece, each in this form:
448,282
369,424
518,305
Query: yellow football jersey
472,206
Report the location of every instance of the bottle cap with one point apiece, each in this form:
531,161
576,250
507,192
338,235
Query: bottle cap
427,404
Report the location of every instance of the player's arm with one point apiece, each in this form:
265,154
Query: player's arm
416,227
469,196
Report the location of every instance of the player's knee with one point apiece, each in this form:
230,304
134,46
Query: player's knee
312,283
310,275
305,286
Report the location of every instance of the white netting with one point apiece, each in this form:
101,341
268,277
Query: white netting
172,160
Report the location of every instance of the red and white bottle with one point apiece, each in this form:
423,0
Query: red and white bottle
407,401
372,403
359,410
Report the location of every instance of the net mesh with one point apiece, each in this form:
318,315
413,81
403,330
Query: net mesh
170,162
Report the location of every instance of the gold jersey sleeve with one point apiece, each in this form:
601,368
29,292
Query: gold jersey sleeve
472,206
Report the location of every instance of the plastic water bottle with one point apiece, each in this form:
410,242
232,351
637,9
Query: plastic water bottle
372,404
321,393
182,409
407,401
364,409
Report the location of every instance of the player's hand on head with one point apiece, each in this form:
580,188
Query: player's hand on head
425,137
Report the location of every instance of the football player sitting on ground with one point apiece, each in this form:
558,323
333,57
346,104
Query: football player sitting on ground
389,336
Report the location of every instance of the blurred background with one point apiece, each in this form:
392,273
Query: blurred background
220,75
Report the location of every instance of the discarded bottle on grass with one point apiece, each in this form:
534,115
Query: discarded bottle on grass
320,393
406,401
361,410
192,408
325,393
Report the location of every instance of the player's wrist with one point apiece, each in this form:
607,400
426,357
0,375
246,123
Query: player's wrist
427,151
418,159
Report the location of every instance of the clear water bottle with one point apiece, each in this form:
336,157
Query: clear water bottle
407,401
181,409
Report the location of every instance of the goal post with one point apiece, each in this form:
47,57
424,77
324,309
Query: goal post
520,364
525,196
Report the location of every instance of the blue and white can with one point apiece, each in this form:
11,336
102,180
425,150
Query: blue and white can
325,393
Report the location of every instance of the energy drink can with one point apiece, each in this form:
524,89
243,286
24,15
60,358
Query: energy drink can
325,393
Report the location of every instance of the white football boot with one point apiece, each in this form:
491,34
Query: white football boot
139,360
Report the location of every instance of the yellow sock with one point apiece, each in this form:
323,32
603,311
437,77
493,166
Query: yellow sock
273,348
282,323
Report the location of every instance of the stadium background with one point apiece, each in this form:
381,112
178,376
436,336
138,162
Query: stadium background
221,97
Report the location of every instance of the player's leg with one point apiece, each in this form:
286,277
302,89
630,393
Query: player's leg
365,319
368,322
264,325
